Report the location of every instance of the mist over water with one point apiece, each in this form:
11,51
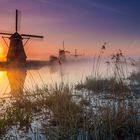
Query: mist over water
71,72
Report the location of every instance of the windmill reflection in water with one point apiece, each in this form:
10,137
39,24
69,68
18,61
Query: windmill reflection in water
17,63
16,79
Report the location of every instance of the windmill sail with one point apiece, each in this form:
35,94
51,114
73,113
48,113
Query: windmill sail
5,33
36,36
16,27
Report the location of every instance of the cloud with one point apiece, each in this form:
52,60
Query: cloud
50,2
104,7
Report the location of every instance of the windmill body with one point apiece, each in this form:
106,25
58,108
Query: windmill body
62,53
16,50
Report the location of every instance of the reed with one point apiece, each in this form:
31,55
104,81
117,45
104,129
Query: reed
95,109
68,114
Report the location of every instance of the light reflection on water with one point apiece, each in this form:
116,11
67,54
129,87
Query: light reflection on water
16,81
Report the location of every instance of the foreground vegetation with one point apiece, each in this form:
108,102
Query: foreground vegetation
95,109
64,113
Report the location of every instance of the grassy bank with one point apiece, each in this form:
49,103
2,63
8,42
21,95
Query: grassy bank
66,113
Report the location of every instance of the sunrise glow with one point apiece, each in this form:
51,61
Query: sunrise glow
84,25
2,74
2,54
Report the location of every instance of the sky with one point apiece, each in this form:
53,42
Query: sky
81,24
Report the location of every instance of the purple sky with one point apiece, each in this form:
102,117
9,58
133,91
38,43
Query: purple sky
82,24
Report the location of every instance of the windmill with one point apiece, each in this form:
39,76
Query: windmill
54,59
16,52
62,53
76,54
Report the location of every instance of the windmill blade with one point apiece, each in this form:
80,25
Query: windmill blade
76,55
75,51
36,36
5,41
16,26
67,51
63,45
5,33
17,20
79,55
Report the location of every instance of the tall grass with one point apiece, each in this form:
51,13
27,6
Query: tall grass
67,114
95,109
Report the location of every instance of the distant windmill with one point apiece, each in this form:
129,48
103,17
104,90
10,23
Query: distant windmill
62,53
76,54
16,52
54,59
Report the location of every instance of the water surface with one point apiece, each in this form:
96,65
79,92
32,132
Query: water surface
72,72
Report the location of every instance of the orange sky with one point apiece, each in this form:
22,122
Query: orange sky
82,25
43,49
